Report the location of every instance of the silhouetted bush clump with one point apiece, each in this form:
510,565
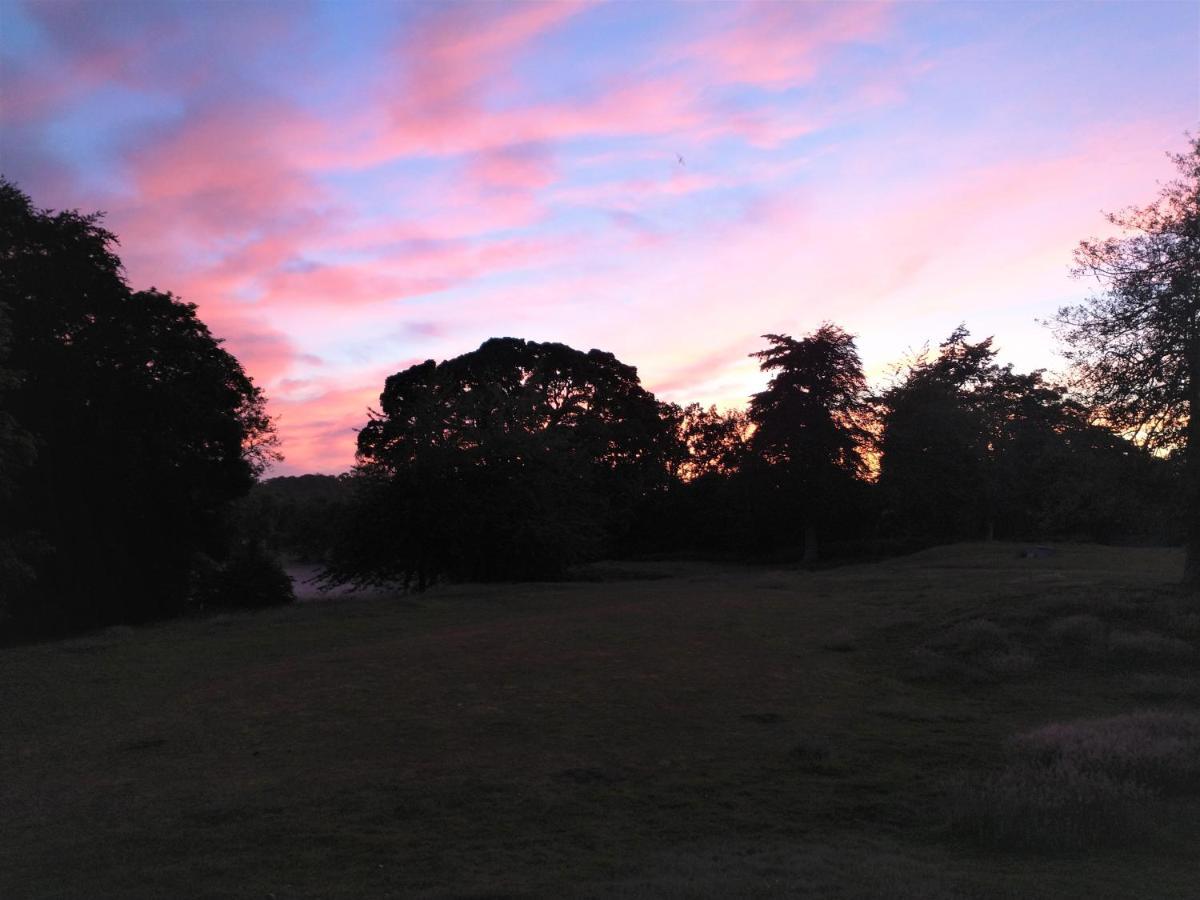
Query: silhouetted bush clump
251,579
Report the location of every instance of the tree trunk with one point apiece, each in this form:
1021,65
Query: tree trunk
810,544
1191,476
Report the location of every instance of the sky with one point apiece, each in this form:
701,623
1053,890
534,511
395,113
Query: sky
348,188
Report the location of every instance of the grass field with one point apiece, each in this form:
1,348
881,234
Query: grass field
661,730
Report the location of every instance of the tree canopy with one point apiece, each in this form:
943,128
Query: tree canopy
1135,343
514,460
969,449
131,426
810,423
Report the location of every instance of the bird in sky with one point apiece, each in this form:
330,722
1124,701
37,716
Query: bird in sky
679,157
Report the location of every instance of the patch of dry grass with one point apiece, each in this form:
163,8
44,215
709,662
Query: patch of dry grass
1048,808
1080,785
1156,749
1148,648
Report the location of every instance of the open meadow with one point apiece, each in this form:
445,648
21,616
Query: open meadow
651,730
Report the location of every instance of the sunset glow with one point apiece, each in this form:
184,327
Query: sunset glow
348,188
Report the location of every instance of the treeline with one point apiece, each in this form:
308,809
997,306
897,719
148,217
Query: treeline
131,443
520,459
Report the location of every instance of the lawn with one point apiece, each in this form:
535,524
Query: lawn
654,730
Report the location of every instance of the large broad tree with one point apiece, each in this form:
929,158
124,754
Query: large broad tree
1135,343
130,426
512,461
810,427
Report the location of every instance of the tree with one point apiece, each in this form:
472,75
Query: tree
1135,344
972,449
136,428
512,461
17,453
296,516
810,425
707,441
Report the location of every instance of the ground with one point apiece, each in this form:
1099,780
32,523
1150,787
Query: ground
657,730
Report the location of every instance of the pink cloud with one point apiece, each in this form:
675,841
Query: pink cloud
407,272
264,351
636,193
523,167
781,45
455,50
317,423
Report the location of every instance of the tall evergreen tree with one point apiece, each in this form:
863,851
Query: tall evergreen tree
809,426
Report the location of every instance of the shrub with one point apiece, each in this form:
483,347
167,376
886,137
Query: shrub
250,579
204,582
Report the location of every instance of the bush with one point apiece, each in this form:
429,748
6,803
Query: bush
251,579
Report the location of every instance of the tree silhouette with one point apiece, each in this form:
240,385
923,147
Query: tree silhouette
1135,345
512,461
142,427
810,424
972,449
706,442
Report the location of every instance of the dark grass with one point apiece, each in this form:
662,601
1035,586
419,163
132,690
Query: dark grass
719,731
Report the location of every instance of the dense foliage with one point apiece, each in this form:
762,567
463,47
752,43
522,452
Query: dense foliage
296,517
513,461
125,430
971,449
806,448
